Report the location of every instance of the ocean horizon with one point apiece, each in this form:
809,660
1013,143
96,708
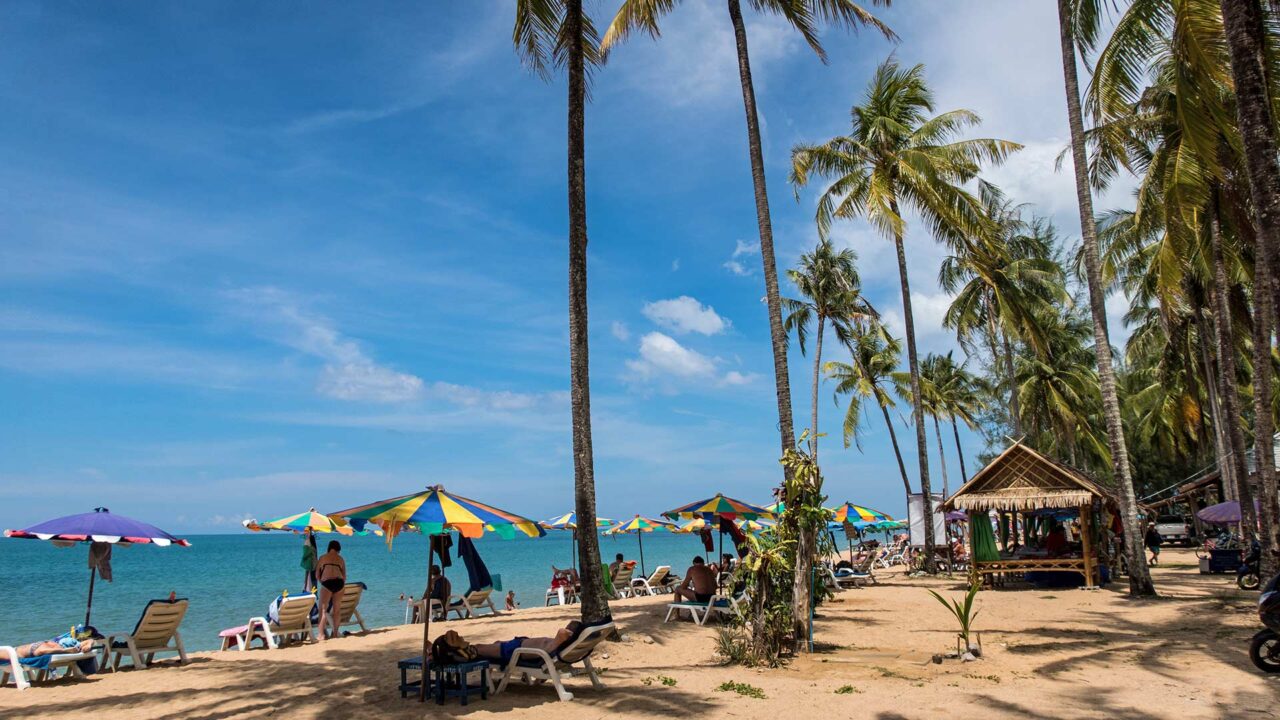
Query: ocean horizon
231,577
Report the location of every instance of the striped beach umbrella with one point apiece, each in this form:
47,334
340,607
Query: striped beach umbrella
436,511
720,506
753,526
569,521
641,525
690,526
309,520
849,512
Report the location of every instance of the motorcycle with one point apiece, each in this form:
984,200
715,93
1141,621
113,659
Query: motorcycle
1264,651
1248,576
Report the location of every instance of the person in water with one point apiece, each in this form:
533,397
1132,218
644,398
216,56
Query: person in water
503,650
331,572
699,582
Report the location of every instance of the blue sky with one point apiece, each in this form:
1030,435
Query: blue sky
254,259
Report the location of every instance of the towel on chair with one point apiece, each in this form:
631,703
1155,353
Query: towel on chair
100,559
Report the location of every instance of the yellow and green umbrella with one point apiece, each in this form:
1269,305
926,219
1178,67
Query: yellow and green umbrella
755,525
569,521
436,511
302,522
640,525
690,526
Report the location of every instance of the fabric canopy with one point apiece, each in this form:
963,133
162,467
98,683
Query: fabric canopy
984,539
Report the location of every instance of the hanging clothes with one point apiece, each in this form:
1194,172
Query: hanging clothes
100,559
708,542
477,574
441,545
735,533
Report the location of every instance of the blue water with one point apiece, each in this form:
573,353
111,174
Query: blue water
230,578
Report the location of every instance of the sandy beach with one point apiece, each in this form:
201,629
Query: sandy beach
1061,653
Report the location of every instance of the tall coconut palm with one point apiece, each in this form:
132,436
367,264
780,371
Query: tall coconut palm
959,400
869,375
1247,38
559,33
897,156
828,280
803,16
1078,22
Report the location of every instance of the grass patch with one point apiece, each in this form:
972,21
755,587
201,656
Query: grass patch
668,681
992,678
847,690
886,672
744,689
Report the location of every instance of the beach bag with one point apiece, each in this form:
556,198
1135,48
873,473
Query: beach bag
451,649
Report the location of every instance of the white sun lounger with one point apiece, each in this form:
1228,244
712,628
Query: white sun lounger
533,664
622,580
349,610
23,676
295,622
654,584
156,632
701,612
470,605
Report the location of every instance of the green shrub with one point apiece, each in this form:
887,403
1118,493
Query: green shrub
750,691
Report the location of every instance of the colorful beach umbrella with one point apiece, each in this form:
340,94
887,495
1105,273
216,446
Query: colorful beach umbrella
640,525
849,512
302,522
755,525
436,511
569,521
100,529
720,506
690,526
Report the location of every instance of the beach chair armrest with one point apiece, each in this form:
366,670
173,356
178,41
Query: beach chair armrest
539,653
9,654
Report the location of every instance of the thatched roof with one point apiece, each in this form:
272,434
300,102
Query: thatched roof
1023,479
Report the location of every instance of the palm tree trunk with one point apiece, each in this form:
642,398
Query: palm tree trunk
1139,575
964,474
817,364
1243,22
893,438
595,605
917,400
1221,445
778,336
1014,410
1228,395
942,455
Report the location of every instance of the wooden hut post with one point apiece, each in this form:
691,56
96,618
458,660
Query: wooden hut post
1086,539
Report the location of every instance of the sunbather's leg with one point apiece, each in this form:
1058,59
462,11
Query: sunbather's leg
325,595
685,594
49,647
337,603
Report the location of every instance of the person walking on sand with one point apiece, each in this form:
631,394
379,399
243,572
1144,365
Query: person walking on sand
331,571
1153,541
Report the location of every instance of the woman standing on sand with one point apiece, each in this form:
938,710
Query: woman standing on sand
331,571
309,561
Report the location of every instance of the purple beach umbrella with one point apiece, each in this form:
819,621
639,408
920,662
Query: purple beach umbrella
1225,513
96,528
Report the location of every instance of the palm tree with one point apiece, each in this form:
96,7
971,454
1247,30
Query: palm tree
559,33
1247,39
959,400
803,15
1078,26
874,361
828,279
895,156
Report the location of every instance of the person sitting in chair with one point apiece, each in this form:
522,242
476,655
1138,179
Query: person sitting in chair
699,582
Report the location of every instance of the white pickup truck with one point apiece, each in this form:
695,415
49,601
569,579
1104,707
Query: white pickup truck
1174,530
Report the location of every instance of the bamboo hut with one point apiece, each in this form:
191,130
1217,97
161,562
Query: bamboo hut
1022,486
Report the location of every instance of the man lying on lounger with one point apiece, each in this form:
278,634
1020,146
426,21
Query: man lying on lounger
503,650
64,644
699,582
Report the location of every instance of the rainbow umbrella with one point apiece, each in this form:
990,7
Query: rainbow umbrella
690,526
640,525
569,521
720,507
436,511
849,512
302,522
755,525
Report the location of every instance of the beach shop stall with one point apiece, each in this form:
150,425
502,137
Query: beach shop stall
1049,517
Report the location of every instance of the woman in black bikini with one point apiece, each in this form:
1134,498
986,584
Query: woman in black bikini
331,571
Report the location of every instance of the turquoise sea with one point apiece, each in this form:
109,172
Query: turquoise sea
230,578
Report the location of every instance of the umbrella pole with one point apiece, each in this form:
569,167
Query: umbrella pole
93,572
426,619
640,537
719,560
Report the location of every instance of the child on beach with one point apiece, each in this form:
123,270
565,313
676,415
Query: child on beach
512,605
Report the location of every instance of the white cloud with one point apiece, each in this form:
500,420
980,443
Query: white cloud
620,330
665,361
685,315
349,373
735,265
675,265
927,310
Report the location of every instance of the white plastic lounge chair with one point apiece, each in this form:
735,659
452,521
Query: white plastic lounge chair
156,632
859,575
349,609
732,605
562,595
622,580
470,605
23,676
533,664
295,622
654,584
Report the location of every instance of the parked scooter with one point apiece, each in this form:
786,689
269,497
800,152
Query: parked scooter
1264,651
1248,575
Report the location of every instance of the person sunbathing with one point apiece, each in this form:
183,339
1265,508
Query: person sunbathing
502,651
699,583
61,645
567,577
